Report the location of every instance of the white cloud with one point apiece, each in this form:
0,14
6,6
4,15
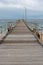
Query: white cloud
2,5
31,4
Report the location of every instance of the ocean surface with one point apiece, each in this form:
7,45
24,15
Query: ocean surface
4,23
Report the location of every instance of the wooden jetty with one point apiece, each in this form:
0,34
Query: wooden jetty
20,47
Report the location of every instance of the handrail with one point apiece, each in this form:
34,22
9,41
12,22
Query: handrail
36,31
4,31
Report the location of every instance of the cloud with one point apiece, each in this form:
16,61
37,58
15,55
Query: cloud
30,4
2,5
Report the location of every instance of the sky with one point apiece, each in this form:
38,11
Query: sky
16,9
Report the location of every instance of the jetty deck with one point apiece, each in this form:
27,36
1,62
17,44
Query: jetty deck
20,47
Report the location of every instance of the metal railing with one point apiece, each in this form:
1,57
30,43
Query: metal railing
37,30
4,28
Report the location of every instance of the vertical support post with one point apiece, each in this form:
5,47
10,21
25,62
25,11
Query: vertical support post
41,34
1,31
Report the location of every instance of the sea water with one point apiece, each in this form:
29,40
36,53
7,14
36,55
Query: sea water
4,24
39,22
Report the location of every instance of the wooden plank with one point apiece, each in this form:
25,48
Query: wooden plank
12,53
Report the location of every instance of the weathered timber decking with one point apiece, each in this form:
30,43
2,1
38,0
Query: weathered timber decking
20,34
21,48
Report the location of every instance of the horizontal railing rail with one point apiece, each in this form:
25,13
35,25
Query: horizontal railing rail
37,30
4,29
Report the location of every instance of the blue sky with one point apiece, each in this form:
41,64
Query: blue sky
15,8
